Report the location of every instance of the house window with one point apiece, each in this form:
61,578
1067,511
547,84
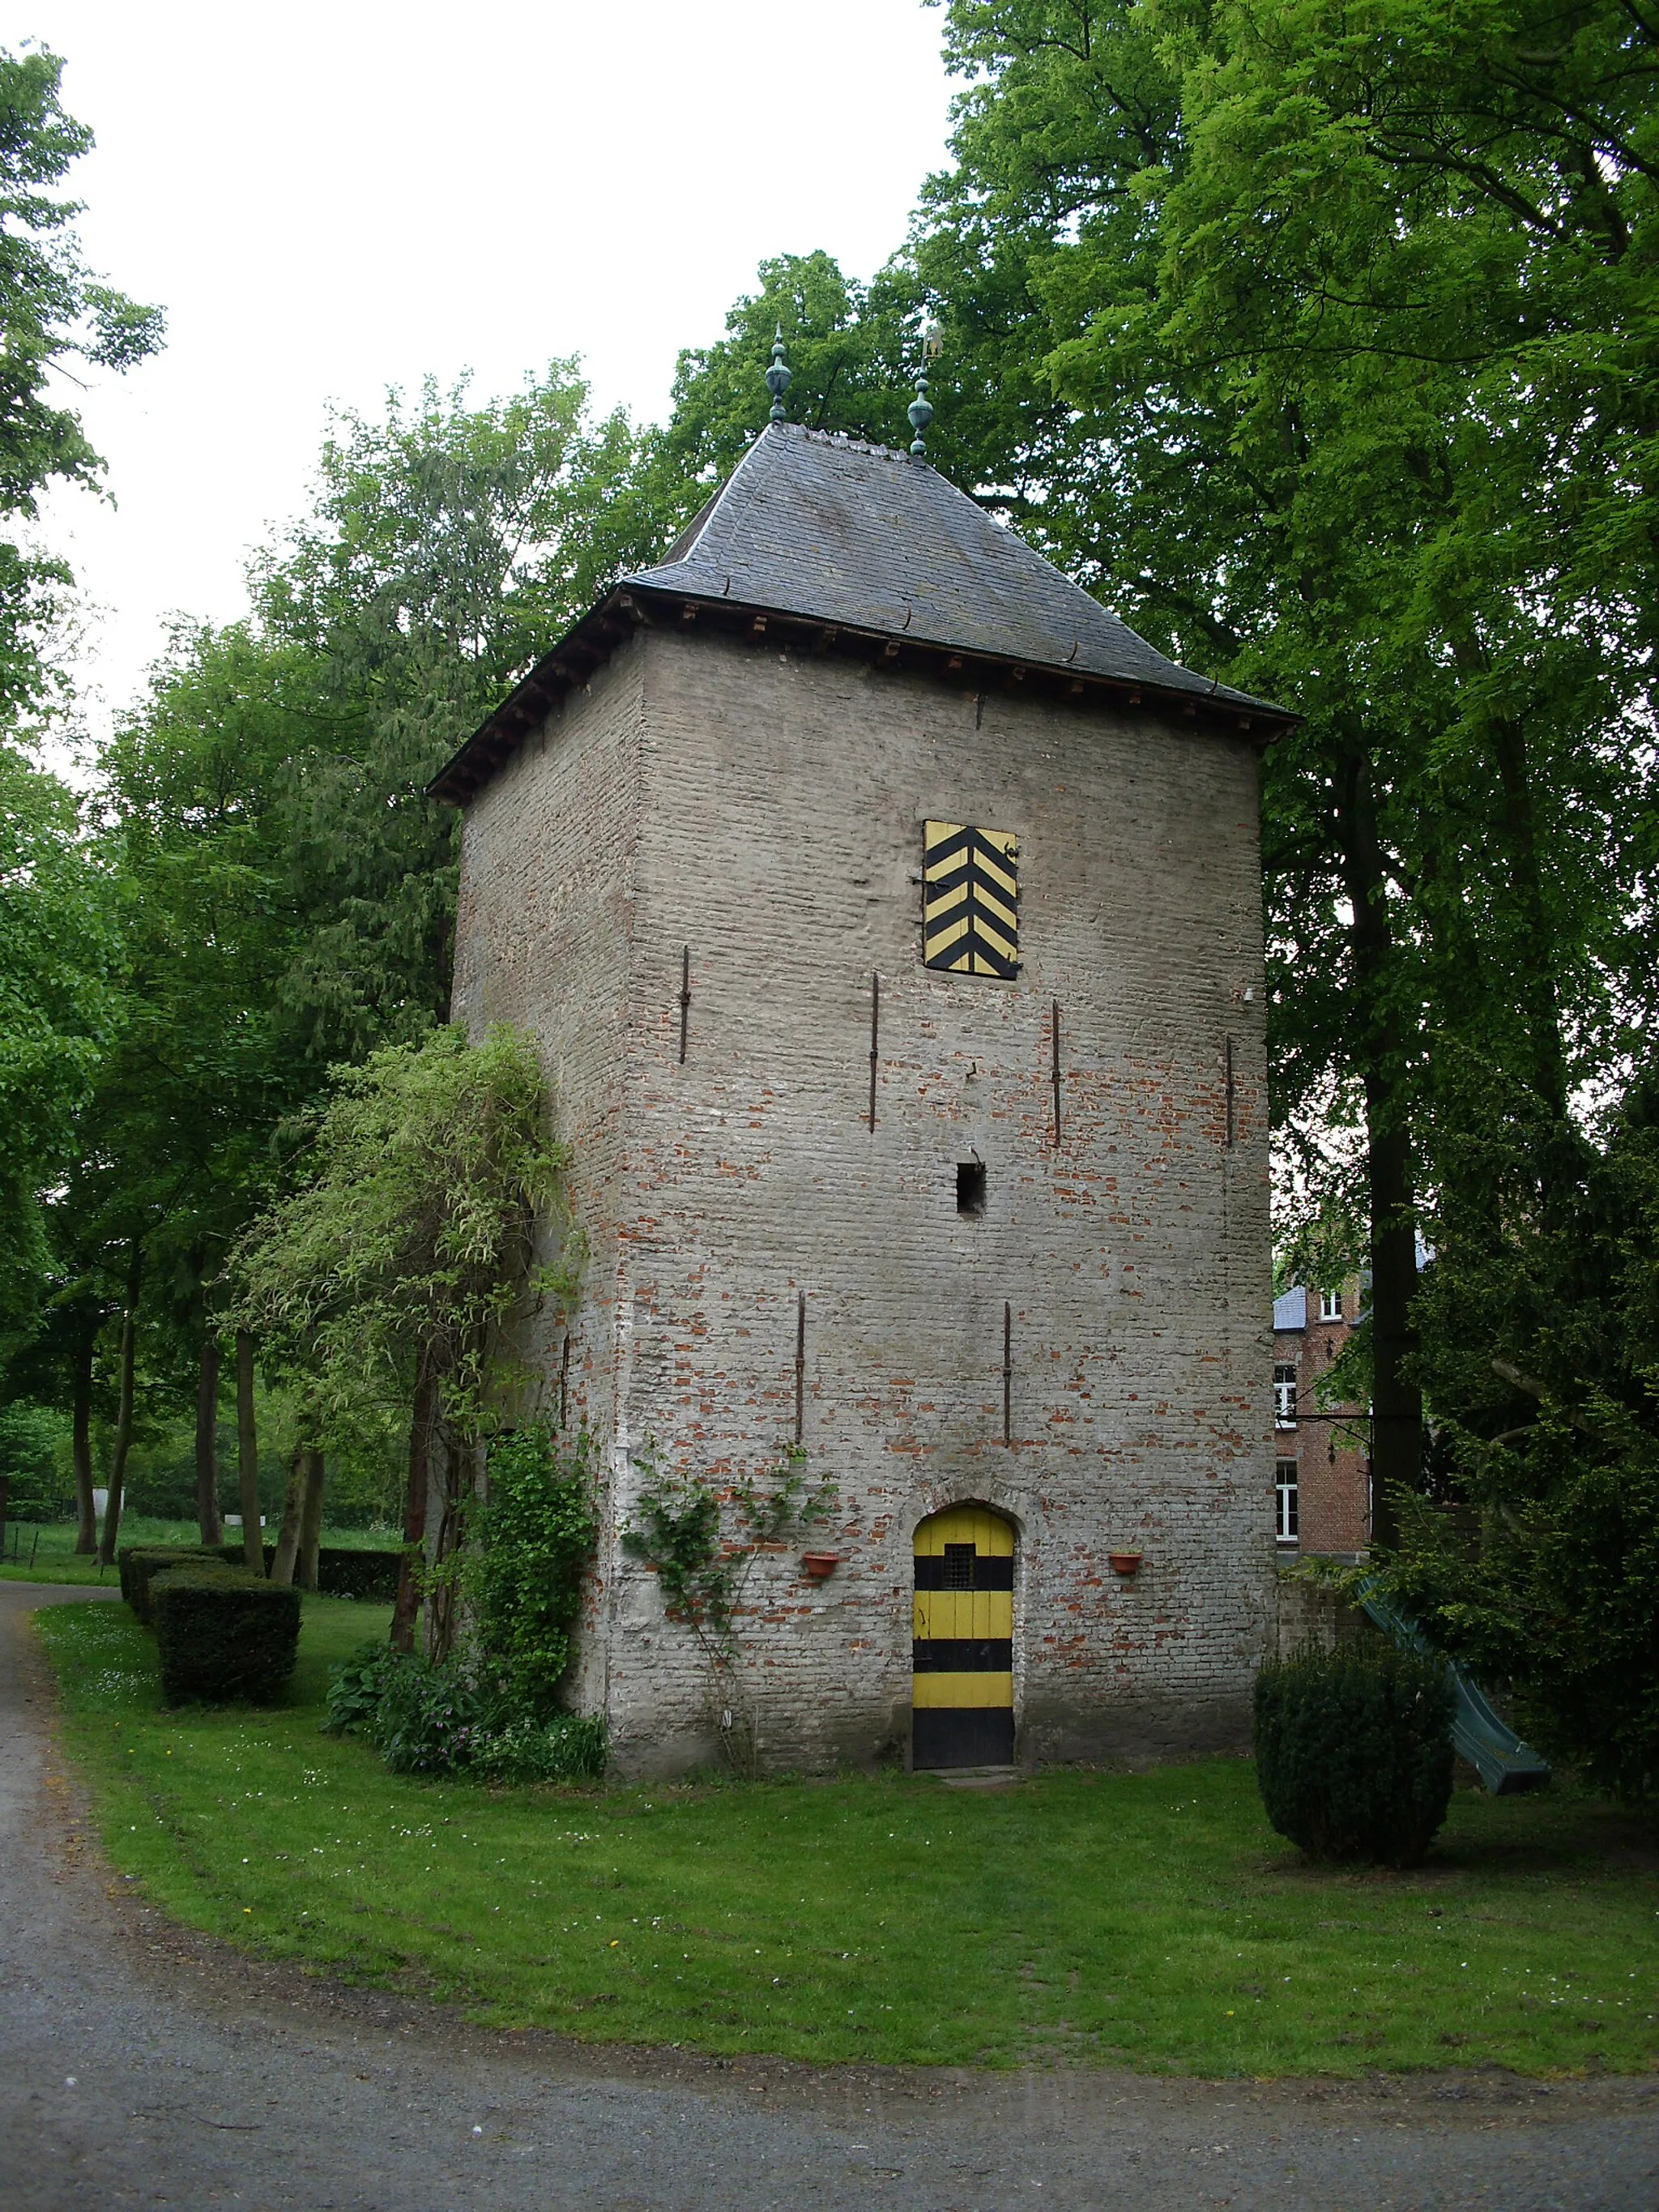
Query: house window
1330,1305
1284,1395
1285,1488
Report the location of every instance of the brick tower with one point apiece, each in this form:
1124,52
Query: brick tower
888,916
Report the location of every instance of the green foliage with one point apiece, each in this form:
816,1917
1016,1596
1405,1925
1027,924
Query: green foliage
54,315
447,551
32,1453
528,1543
60,951
1354,1751
409,1235
1537,1558
491,1708
427,1717
223,1637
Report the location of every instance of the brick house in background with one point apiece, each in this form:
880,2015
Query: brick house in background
1322,1470
887,916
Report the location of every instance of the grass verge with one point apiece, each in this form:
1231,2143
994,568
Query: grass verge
1151,1921
48,1552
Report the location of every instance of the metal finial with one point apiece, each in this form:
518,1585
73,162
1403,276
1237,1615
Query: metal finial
920,411
777,377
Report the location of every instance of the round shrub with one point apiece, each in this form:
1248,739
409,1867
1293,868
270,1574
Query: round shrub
222,1636
1354,1751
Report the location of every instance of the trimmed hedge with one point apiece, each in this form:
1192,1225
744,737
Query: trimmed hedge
1354,1751
222,1636
138,1562
342,1573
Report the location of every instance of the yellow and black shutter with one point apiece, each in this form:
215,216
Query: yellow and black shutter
962,1688
970,899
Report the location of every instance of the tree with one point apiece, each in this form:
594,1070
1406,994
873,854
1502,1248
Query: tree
53,313
60,951
387,1274
446,552
286,886
1537,1557
59,955
1295,443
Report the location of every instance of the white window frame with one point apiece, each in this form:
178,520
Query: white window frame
1284,1394
1330,1305
1286,1499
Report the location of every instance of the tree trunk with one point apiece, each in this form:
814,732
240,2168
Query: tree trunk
118,1466
1538,983
207,1443
288,1536
310,1519
5,1494
86,1510
1382,1049
422,1419
247,1457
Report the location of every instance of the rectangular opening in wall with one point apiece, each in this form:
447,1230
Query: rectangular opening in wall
1285,1488
1285,1394
970,1187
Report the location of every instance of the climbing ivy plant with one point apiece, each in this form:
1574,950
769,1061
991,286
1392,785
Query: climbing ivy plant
701,1542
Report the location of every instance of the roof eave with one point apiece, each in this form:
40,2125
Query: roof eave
586,648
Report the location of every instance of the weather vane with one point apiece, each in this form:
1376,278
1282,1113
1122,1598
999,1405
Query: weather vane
777,377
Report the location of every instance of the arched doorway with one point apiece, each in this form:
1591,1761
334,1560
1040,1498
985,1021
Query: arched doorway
961,1684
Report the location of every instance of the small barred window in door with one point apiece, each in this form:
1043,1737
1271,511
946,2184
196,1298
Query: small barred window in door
970,899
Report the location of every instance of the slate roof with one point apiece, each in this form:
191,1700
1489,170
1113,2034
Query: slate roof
879,551
1291,1308
840,532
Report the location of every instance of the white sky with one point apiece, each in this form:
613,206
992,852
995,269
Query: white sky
328,199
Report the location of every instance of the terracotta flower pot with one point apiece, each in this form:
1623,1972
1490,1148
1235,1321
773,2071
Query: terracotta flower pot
1124,1562
818,1566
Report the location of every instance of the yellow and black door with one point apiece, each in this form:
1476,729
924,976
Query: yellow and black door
962,1682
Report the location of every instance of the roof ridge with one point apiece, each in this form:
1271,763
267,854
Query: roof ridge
848,443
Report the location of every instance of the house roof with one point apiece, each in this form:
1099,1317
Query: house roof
867,550
1291,1308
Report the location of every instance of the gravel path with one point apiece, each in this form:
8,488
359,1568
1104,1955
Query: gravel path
142,2065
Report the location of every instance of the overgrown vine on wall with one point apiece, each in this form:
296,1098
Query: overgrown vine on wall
679,1529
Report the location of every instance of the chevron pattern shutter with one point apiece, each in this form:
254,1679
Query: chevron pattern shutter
970,899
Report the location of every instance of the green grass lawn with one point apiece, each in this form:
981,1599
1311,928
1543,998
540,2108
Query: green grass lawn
1152,1921
54,1558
